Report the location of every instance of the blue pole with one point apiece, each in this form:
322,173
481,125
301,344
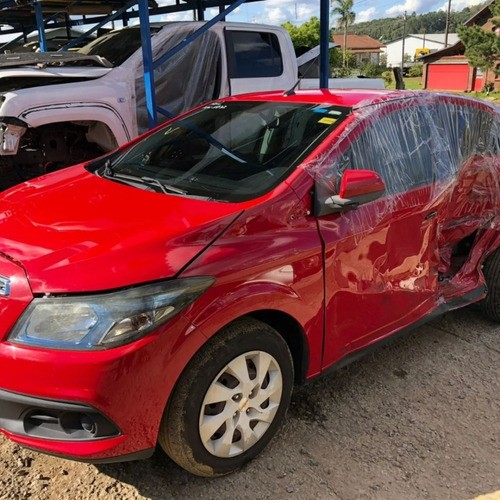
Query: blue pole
324,57
40,25
147,56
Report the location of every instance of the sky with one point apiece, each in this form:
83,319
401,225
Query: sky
298,11
276,12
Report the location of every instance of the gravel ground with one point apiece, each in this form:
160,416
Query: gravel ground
418,418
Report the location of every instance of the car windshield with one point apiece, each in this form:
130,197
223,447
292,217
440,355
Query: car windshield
226,151
116,46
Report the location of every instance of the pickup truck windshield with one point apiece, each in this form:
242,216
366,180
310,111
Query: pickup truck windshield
226,151
116,46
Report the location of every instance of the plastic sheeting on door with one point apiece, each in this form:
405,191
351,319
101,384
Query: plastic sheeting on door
437,152
185,80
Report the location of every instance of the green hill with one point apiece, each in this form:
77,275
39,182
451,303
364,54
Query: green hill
390,29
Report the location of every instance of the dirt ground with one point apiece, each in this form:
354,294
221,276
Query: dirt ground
417,419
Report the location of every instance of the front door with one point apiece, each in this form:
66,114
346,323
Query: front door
380,259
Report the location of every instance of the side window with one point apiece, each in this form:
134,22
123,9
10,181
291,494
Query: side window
464,132
253,55
397,146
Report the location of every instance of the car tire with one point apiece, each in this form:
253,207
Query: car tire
491,270
230,400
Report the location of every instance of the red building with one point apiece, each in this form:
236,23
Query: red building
449,69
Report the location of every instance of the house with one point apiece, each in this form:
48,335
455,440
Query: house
363,47
414,45
449,69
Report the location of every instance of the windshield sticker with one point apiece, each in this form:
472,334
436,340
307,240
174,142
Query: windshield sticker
327,121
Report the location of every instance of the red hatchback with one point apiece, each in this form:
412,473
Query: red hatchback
176,289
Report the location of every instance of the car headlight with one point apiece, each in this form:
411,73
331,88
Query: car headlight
105,320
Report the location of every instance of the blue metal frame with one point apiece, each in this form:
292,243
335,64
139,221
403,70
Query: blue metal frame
151,65
40,25
109,18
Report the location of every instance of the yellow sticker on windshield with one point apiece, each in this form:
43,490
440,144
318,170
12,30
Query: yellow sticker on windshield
327,121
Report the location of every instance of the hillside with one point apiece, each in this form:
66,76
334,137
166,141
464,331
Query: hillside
390,29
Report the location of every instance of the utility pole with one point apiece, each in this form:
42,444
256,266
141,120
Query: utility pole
447,29
403,44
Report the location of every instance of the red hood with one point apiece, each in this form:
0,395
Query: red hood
75,232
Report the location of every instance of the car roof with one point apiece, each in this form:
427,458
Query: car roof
360,98
352,98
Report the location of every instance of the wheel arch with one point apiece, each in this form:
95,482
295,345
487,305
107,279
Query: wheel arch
97,113
293,334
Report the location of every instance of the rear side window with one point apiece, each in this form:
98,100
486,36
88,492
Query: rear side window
253,54
468,131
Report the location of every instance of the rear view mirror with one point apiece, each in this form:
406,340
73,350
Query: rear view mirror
357,187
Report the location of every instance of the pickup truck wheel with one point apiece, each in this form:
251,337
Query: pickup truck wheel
491,270
230,400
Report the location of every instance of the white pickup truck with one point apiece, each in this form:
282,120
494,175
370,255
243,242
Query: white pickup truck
61,108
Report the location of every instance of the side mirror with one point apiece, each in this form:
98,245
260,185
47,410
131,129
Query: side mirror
357,187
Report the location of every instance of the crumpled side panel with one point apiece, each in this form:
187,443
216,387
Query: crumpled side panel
439,155
186,79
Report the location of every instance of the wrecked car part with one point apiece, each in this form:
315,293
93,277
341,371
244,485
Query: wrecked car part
454,154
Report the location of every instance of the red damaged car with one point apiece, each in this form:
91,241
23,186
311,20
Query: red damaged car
175,290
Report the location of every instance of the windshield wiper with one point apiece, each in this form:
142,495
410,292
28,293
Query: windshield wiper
166,188
108,169
109,173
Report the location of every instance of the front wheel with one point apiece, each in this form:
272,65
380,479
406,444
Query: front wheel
491,270
230,400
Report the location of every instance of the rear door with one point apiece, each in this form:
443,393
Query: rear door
380,259
259,60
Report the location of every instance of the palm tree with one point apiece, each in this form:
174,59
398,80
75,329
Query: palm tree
346,16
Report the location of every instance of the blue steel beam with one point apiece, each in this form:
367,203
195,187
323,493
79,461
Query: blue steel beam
324,57
40,25
147,57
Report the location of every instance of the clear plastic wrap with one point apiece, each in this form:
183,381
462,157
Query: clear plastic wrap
185,80
439,157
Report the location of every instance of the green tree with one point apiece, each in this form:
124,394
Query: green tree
389,29
343,11
482,48
305,35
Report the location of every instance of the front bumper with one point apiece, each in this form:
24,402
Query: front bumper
97,406
23,418
57,420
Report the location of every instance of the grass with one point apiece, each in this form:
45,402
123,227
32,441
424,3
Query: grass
416,84
413,83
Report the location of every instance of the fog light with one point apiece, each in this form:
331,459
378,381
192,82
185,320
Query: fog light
88,424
